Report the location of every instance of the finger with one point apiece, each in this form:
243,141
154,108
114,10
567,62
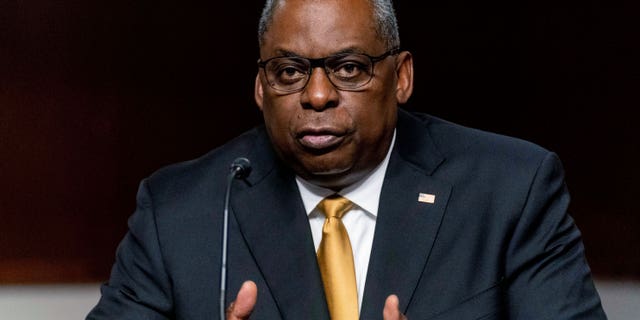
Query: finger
245,301
392,309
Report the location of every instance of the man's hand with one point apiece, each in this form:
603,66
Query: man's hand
391,309
242,307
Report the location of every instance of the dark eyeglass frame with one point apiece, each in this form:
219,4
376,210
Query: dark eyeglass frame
320,63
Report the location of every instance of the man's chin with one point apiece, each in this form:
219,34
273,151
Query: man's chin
333,178
329,173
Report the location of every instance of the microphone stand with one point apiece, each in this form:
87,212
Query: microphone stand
240,168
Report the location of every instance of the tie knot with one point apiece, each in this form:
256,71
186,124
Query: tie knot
335,206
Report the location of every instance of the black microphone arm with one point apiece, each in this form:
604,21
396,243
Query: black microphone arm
240,169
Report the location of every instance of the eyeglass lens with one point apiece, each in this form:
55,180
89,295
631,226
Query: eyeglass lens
349,71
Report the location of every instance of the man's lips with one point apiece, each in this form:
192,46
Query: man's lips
319,140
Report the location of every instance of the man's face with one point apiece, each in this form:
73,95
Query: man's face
330,137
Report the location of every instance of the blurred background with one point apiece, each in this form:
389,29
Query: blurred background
96,95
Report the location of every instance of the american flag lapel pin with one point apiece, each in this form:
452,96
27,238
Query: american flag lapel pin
426,197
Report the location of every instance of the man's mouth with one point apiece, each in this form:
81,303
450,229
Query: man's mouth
320,140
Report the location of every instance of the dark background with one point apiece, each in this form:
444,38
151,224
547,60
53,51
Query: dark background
96,95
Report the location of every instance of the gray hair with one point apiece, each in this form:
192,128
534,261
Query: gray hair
383,13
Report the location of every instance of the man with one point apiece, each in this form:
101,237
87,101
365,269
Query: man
443,222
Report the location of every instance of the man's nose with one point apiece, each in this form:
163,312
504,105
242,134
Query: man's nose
319,93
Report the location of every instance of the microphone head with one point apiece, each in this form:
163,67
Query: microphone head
241,167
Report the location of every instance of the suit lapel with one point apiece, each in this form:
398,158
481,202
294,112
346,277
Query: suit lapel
406,228
273,222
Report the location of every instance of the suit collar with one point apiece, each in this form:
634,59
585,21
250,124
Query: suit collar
415,143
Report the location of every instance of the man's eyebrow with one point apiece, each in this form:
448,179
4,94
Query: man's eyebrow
287,53
349,50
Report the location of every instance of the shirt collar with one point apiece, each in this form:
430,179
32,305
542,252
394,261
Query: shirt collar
364,193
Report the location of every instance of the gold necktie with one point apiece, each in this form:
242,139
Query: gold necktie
335,259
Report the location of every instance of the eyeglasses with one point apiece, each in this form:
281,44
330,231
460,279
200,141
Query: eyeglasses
348,71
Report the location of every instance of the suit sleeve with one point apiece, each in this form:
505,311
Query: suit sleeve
547,273
138,287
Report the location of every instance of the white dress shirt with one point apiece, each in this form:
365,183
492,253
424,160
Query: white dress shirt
360,221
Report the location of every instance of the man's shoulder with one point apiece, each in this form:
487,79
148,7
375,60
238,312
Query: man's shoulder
207,171
453,139
464,147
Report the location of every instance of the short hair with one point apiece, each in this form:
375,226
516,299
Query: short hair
385,21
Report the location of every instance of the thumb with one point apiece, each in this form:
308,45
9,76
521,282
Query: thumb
245,301
392,309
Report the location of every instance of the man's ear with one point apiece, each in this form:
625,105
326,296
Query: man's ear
258,92
404,72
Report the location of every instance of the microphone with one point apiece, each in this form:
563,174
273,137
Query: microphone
240,169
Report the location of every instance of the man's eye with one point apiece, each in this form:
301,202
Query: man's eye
350,69
289,72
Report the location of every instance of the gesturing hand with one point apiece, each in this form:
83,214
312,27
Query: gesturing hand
241,308
391,309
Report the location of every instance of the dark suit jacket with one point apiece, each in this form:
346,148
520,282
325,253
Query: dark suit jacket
497,243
